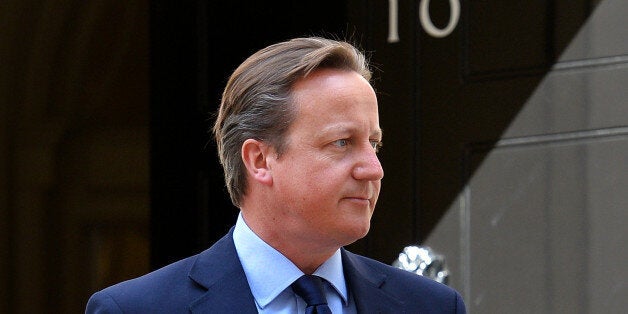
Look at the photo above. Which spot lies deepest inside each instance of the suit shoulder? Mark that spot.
(412, 287)
(152, 290)
(173, 288)
(400, 274)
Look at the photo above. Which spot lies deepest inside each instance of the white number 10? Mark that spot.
(424, 18)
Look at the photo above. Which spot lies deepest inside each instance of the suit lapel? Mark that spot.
(218, 270)
(366, 287)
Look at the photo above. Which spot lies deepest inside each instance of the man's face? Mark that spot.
(328, 179)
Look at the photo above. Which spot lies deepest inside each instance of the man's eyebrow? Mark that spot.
(343, 128)
(338, 128)
(379, 133)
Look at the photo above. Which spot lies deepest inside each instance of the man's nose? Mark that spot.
(368, 166)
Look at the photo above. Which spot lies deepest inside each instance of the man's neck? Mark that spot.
(306, 256)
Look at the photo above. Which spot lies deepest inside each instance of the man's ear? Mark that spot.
(255, 157)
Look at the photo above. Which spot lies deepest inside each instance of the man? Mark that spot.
(297, 132)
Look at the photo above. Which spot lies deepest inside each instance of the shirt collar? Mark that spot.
(278, 272)
(332, 271)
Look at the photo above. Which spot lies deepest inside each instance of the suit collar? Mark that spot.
(366, 287)
(218, 270)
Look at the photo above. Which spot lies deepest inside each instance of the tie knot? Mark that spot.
(310, 289)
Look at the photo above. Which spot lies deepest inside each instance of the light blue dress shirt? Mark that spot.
(270, 275)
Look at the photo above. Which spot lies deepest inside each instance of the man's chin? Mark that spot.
(356, 234)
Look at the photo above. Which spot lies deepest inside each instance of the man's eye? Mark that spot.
(341, 143)
(376, 145)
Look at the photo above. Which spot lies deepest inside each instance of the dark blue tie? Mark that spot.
(310, 288)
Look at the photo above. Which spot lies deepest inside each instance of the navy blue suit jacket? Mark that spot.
(214, 282)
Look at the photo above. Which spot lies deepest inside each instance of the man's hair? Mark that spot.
(256, 103)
